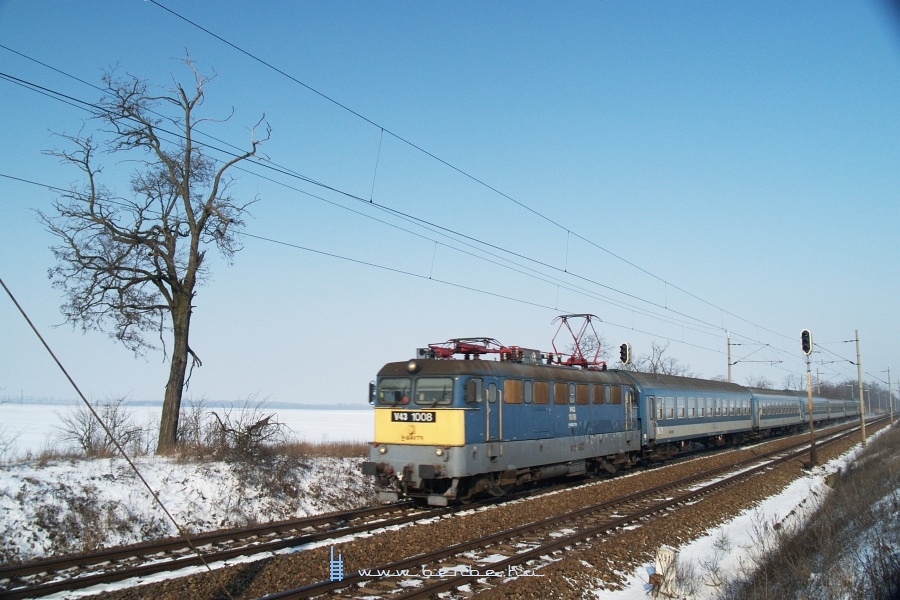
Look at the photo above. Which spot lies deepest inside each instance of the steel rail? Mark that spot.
(318, 588)
(137, 551)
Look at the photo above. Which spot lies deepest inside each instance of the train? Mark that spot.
(472, 417)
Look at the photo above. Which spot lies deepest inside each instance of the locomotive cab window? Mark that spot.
(432, 391)
(394, 390)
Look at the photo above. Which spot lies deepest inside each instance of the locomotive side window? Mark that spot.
(431, 391)
(394, 390)
(600, 394)
(560, 393)
(491, 393)
(542, 392)
(615, 394)
(582, 393)
(528, 392)
(473, 391)
(512, 391)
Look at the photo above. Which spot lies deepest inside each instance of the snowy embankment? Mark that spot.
(78, 505)
(717, 564)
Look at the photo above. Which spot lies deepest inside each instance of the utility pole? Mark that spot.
(729, 357)
(862, 404)
(813, 455)
(807, 346)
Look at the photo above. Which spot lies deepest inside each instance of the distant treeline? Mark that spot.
(233, 404)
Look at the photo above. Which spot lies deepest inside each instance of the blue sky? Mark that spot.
(679, 169)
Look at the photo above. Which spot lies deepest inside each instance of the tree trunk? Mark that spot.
(181, 322)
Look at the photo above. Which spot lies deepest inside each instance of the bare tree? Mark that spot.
(658, 362)
(591, 345)
(760, 381)
(131, 266)
(794, 382)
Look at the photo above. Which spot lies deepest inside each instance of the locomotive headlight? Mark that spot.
(439, 451)
(382, 449)
(412, 366)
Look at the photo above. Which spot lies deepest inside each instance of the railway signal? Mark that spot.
(806, 342)
(625, 353)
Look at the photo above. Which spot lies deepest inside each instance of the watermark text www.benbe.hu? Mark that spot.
(460, 571)
(336, 571)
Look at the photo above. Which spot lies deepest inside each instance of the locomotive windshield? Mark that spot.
(431, 391)
(394, 390)
(427, 391)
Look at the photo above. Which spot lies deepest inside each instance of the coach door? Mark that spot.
(630, 413)
(651, 416)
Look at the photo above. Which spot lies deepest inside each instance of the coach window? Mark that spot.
(560, 393)
(582, 393)
(660, 408)
(512, 391)
(692, 407)
(679, 405)
(670, 407)
(528, 392)
(542, 392)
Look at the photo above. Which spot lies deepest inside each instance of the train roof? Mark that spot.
(649, 381)
(487, 368)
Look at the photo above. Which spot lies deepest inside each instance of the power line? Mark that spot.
(469, 240)
(442, 161)
(435, 228)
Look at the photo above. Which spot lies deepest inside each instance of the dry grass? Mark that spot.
(850, 548)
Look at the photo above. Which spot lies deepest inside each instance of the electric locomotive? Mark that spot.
(448, 429)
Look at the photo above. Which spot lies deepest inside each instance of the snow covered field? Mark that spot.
(34, 427)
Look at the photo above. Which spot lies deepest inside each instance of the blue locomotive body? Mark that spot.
(446, 429)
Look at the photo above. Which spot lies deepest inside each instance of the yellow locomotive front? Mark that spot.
(420, 430)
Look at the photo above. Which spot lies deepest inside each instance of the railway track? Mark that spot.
(521, 551)
(72, 573)
(69, 573)
(115, 564)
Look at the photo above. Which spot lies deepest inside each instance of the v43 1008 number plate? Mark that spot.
(413, 416)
